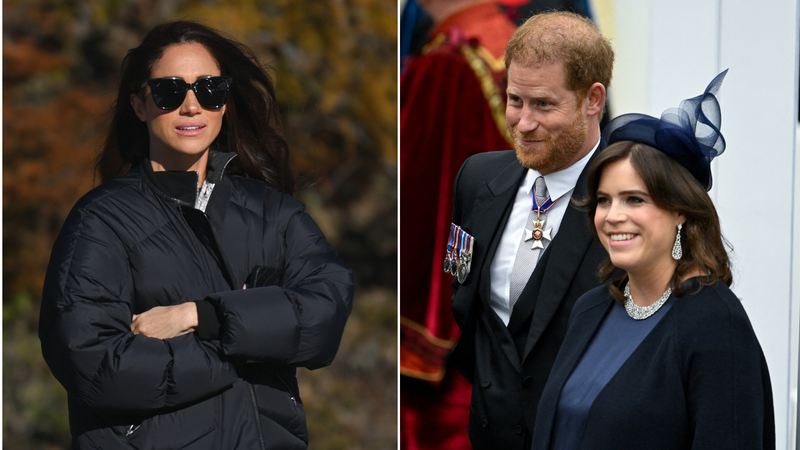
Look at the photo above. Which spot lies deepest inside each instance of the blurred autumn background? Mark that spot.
(334, 62)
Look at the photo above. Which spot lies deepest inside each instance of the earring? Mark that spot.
(677, 251)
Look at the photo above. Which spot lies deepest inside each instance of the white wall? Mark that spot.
(669, 51)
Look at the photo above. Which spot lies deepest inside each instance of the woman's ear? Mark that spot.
(139, 107)
(680, 219)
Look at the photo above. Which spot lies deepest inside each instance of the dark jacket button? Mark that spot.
(518, 429)
(486, 383)
(527, 382)
(485, 423)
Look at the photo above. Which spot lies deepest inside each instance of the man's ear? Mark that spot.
(595, 99)
(138, 107)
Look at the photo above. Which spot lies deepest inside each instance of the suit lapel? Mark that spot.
(489, 212)
(503, 190)
(566, 253)
(490, 215)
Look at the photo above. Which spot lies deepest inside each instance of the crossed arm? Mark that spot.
(104, 358)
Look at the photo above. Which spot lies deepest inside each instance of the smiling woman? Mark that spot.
(664, 341)
(637, 233)
(184, 291)
(638, 200)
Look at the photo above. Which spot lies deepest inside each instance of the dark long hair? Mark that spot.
(672, 188)
(251, 126)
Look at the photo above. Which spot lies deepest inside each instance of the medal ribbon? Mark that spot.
(545, 206)
(461, 243)
(471, 241)
(454, 255)
(452, 236)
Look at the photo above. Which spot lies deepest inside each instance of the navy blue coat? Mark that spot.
(699, 380)
(128, 246)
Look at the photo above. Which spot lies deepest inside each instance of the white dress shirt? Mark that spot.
(560, 186)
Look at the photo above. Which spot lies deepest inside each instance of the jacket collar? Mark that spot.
(181, 187)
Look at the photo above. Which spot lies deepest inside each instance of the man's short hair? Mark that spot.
(564, 36)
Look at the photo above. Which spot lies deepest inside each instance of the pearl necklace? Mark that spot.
(643, 312)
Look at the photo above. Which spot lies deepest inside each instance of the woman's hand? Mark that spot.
(164, 322)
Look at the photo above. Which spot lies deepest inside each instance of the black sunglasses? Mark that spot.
(169, 93)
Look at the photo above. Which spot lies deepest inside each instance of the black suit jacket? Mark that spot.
(699, 380)
(508, 366)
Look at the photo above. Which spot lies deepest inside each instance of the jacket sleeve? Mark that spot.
(86, 337)
(300, 322)
(728, 393)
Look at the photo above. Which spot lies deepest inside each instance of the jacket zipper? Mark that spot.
(132, 429)
(258, 419)
(291, 392)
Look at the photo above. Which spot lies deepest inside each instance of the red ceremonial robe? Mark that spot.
(452, 105)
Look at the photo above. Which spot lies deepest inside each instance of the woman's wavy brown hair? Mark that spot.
(672, 188)
(251, 125)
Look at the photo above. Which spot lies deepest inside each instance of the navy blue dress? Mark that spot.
(617, 338)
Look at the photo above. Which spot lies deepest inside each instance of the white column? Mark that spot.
(756, 180)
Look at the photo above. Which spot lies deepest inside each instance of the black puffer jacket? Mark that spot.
(128, 246)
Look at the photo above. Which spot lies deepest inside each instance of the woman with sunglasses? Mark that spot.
(183, 291)
(663, 356)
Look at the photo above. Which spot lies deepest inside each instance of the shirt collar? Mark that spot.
(561, 182)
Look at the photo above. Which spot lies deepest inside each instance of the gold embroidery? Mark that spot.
(496, 64)
(483, 63)
(489, 88)
(437, 41)
(422, 355)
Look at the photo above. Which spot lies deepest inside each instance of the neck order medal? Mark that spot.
(538, 234)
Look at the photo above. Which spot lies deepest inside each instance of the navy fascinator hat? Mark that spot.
(690, 133)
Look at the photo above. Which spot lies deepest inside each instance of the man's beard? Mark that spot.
(559, 149)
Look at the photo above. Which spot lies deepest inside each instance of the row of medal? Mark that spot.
(458, 258)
